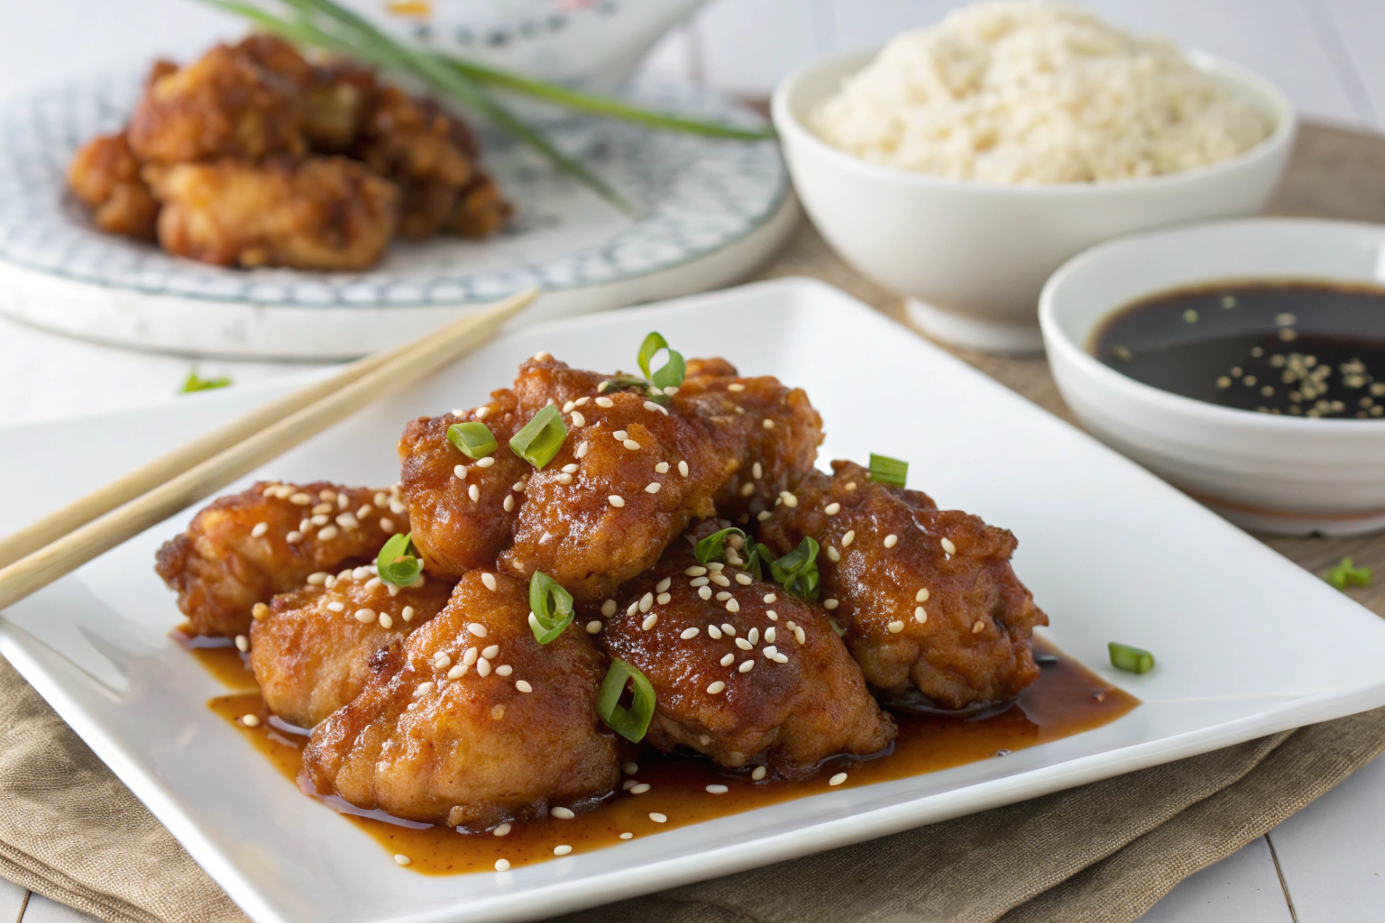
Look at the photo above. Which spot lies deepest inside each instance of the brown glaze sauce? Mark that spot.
(1066, 700)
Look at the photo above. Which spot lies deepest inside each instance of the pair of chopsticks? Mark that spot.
(59, 543)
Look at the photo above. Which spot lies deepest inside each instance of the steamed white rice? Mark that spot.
(1028, 92)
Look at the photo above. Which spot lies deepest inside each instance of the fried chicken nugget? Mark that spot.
(244, 548)
(928, 598)
(221, 105)
(333, 96)
(326, 213)
(743, 672)
(105, 174)
(471, 722)
(312, 653)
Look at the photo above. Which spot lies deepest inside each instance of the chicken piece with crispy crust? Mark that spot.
(244, 548)
(471, 722)
(106, 175)
(743, 672)
(334, 96)
(312, 652)
(480, 210)
(223, 104)
(326, 213)
(463, 511)
(929, 601)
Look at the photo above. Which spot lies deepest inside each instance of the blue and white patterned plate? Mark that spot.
(710, 211)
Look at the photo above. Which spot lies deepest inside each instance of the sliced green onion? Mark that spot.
(798, 570)
(550, 607)
(835, 627)
(888, 470)
(541, 437)
(398, 561)
(1130, 659)
(1346, 574)
(196, 382)
(632, 722)
(713, 548)
(670, 375)
(474, 440)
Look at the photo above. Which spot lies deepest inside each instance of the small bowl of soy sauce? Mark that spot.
(1243, 361)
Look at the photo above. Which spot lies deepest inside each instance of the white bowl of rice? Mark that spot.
(963, 164)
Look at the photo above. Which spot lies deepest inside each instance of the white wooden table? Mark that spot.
(1325, 864)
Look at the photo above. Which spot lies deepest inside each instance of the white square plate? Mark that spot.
(1248, 644)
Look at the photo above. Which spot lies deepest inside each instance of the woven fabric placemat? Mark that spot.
(1105, 852)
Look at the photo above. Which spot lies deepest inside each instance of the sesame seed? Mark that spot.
(242, 643)
(570, 468)
(704, 592)
(770, 597)
(789, 499)
(770, 650)
(386, 524)
(365, 616)
(581, 451)
(799, 636)
(657, 817)
(690, 633)
(744, 579)
(562, 850)
(719, 579)
(920, 615)
(616, 500)
(683, 468)
(714, 632)
(293, 538)
(832, 509)
(744, 645)
(477, 629)
(338, 606)
(639, 788)
(260, 529)
(491, 652)
(483, 668)
(505, 670)
(626, 836)
(758, 774)
(716, 688)
(646, 602)
(327, 533)
(650, 405)
(664, 599)
(895, 627)
(767, 423)
(485, 462)
(652, 487)
(699, 581)
(717, 789)
(474, 493)
(386, 621)
(746, 666)
(948, 546)
(562, 813)
(650, 621)
(728, 629)
(423, 689)
(401, 859)
(661, 468)
(891, 540)
(735, 386)
(634, 607)
(469, 656)
(458, 671)
(567, 408)
(632, 445)
(732, 606)
(978, 627)
(829, 604)
(501, 831)
(502, 865)
(780, 658)
(300, 499)
(630, 768)
(564, 478)
(747, 489)
(838, 779)
(848, 538)
(922, 595)
(771, 615)
(605, 402)
(728, 660)
(251, 721)
(517, 487)
(620, 435)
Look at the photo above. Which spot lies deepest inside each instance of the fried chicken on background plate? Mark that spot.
(245, 548)
(937, 611)
(106, 175)
(743, 672)
(471, 722)
(312, 652)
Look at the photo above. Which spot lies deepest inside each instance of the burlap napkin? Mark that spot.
(1106, 852)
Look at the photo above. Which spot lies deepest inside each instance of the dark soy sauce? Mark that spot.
(1298, 348)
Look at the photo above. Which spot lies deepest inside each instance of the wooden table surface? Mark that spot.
(1324, 865)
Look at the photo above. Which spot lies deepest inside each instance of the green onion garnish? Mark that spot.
(798, 570)
(835, 627)
(670, 375)
(541, 437)
(632, 722)
(474, 440)
(195, 382)
(1346, 574)
(1130, 659)
(550, 607)
(888, 470)
(713, 548)
(399, 562)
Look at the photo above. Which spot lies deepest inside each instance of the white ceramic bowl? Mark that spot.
(972, 256)
(1288, 475)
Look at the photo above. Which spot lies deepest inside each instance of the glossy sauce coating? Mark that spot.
(1067, 699)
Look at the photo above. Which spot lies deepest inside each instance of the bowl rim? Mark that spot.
(1102, 376)
(1247, 82)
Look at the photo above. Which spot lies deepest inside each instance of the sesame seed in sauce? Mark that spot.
(323, 508)
(594, 627)
(474, 493)
(562, 813)
(242, 643)
(744, 579)
(650, 621)
(728, 629)
(639, 788)
(386, 621)
(407, 614)
(626, 836)
(735, 386)
(293, 538)
(491, 652)
(365, 616)
(763, 515)
(979, 627)
(699, 581)
(318, 520)
(663, 599)
(423, 689)
(848, 538)
(646, 602)
(732, 606)
(605, 402)
(891, 540)
(632, 445)
(838, 779)
(608, 608)
(581, 451)
(716, 789)
(657, 817)
(948, 546)
(509, 503)
(895, 627)
(469, 656)
(720, 579)
(401, 859)
(723, 596)
(260, 529)
(650, 405)
(744, 645)
(578, 421)
(505, 670)
(661, 468)
(683, 468)
(564, 478)
(799, 636)
(728, 660)
(689, 633)
(829, 604)
(372, 584)
(386, 524)
(337, 606)
(634, 607)
(458, 671)
(767, 423)
(562, 850)
(517, 487)
(477, 629)
(616, 500)
(705, 592)
(502, 830)
(789, 499)
(714, 632)
(652, 487)
(758, 774)
(716, 688)
(300, 499)
(502, 865)
(483, 667)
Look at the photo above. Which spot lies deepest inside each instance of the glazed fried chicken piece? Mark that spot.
(244, 548)
(333, 96)
(327, 213)
(106, 175)
(938, 609)
(479, 210)
(471, 722)
(632, 474)
(222, 105)
(462, 522)
(312, 651)
(743, 672)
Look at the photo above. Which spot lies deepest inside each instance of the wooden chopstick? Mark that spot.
(193, 472)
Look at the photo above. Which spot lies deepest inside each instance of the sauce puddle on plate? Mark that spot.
(1067, 699)
(1295, 348)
